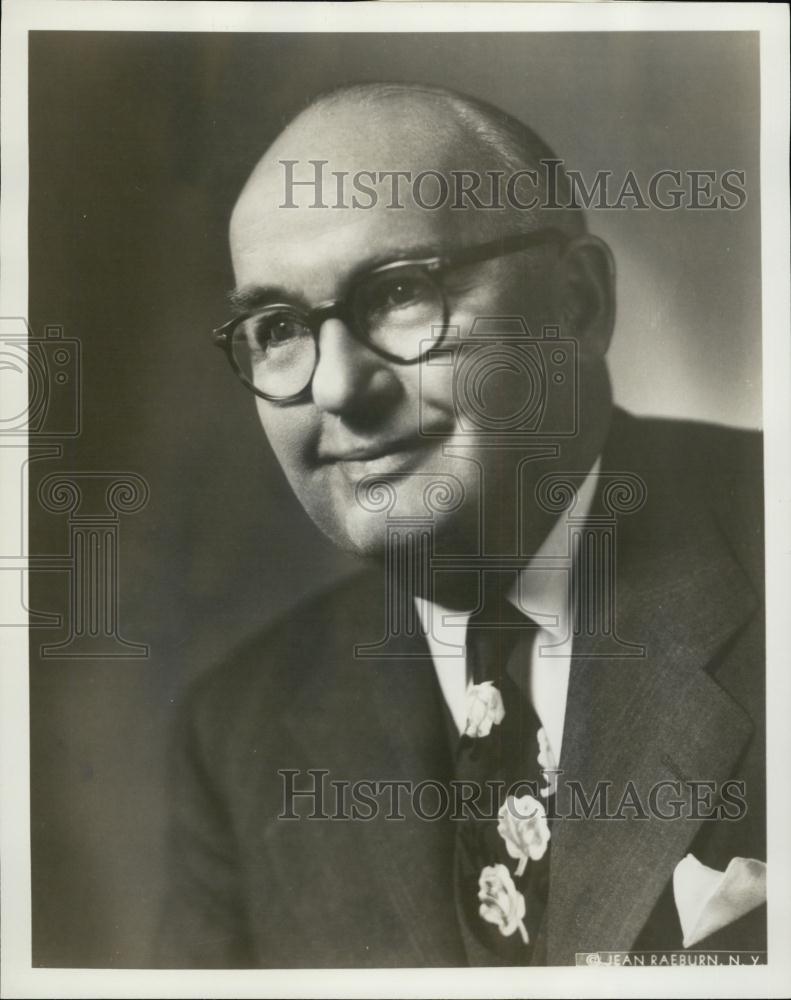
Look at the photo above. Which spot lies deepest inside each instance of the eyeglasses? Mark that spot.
(398, 310)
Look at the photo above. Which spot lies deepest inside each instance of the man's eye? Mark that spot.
(397, 293)
(273, 331)
(401, 292)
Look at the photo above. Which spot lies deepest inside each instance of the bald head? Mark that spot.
(344, 275)
(501, 140)
(449, 149)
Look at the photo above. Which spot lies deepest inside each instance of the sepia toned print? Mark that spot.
(392, 527)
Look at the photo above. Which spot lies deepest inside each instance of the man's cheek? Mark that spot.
(287, 434)
(431, 396)
(325, 501)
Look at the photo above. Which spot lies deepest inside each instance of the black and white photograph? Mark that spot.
(395, 444)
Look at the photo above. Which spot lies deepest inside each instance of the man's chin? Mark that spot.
(364, 534)
(370, 536)
(377, 512)
(370, 545)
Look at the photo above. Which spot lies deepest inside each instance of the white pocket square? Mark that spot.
(708, 900)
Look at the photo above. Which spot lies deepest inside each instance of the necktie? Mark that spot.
(501, 851)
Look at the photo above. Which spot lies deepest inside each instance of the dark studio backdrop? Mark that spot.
(139, 143)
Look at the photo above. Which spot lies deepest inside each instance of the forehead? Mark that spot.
(301, 249)
(278, 234)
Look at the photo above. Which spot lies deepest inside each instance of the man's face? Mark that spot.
(365, 415)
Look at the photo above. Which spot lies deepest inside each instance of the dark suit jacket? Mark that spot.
(249, 889)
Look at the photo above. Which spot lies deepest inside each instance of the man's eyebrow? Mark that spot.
(417, 251)
(251, 296)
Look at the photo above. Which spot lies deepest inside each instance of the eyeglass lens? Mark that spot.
(394, 310)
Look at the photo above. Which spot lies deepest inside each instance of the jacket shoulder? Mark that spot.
(726, 452)
(267, 673)
(697, 461)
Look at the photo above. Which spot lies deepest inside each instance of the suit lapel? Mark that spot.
(412, 859)
(663, 717)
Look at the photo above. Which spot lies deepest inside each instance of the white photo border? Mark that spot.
(19, 978)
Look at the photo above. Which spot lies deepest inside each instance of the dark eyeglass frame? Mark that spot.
(313, 318)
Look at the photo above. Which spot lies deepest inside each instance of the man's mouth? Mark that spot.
(380, 457)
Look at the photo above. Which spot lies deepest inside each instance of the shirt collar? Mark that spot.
(542, 589)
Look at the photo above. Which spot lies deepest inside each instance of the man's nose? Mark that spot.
(349, 376)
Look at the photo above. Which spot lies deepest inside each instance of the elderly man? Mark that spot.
(533, 726)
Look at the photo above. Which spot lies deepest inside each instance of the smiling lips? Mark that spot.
(391, 456)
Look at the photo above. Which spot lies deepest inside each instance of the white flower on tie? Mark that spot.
(501, 901)
(484, 709)
(548, 765)
(522, 823)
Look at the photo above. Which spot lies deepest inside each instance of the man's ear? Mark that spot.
(586, 293)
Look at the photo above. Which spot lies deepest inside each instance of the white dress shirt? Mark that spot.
(543, 592)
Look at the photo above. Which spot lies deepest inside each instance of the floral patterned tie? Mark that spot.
(501, 852)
